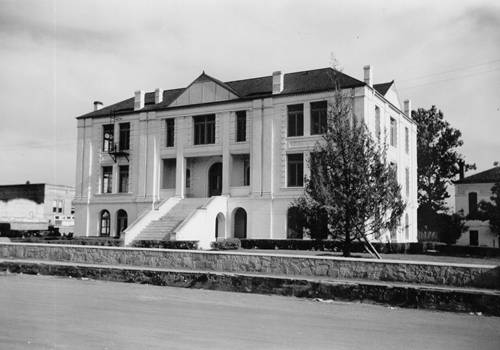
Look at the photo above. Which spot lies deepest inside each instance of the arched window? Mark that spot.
(472, 203)
(220, 222)
(295, 223)
(104, 223)
(240, 223)
(121, 222)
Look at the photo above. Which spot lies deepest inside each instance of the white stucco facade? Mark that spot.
(253, 172)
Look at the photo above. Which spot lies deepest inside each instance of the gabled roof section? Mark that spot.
(491, 175)
(382, 88)
(309, 81)
(205, 89)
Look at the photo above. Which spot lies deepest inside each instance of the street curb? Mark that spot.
(407, 296)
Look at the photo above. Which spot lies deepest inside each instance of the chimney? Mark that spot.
(97, 105)
(461, 167)
(138, 100)
(407, 107)
(158, 96)
(277, 82)
(368, 75)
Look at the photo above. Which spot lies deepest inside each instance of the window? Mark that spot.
(107, 179)
(124, 136)
(246, 169)
(72, 211)
(377, 122)
(57, 206)
(123, 183)
(407, 140)
(318, 117)
(241, 126)
(170, 127)
(204, 129)
(188, 178)
(394, 133)
(473, 237)
(472, 203)
(105, 223)
(407, 228)
(407, 181)
(296, 120)
(107, 137)
(295, 170)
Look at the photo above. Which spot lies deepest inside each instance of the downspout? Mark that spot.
(89, 190)
(261, 147)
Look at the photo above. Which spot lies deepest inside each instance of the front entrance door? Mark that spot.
(215, 180)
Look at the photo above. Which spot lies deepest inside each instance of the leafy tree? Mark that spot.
(491, 210)
(438, 160)
(350, 180)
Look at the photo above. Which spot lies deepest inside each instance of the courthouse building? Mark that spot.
(225, 159)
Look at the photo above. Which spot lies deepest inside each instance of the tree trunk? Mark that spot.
(347, 244)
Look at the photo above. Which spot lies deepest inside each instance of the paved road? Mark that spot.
(40, 312)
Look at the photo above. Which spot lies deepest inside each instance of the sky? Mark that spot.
(57, 57)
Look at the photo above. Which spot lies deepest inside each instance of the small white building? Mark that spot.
(35, 207)
(469, 192)
(224, 159)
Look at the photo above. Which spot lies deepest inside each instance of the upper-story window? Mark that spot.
(107, 179)
(124, 136)
(123, 181)
(407, 140)
(170, 132)
(377, 122)
(407, 182)
(394, 133)
(472, 203)
(108, 131)
(57, 206)
(318, 117)
(295, 170)
(241, 126)
(296, 120)
(204, 129)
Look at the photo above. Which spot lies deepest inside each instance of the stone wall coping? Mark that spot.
(331, 258)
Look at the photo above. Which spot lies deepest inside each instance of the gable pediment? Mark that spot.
(205, 89)
(392, 96)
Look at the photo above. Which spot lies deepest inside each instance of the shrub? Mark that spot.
(187, 245)
(226, 244)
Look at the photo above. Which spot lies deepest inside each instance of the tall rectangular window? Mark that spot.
(407, 181)
(296, 120)
(124, 136)
(241, 126)
(377, 122)
(60, 206)
(123, 181)
(394, 133)
(318, 117)
(407, 140)
(107, 137)
(204, 129)
(107, 179)
(472, 203)
(170, 128)
(295, 170)
(54, 206)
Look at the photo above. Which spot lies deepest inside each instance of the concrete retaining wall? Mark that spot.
(339, 268)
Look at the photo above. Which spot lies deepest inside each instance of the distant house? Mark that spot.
(220, 159)
(469, 192)
(35, 207)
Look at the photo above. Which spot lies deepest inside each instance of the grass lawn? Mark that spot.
(411, 257)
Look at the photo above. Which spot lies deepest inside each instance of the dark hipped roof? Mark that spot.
(490, 175)
(294, 83)
(383, 87)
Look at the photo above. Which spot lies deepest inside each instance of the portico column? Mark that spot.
(226, 155)
(180, 170)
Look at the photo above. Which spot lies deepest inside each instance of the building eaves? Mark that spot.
(488, 176)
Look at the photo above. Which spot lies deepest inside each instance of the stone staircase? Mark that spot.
(160, 230)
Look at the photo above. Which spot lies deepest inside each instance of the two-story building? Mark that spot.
(469, 192)
(224, 159)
